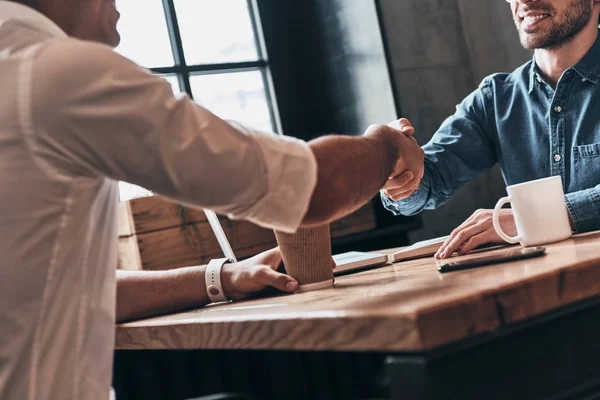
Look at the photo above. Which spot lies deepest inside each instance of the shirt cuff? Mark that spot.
(584, 207)
(410, 206)
(291, 169)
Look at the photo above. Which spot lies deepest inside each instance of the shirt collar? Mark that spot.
(588, 67)
(36, 20)
(532, 75)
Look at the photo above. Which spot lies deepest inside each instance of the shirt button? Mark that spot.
(557, 157)
(558, 109)
(584, 80)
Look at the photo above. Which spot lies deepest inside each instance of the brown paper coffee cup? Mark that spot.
(307, 257)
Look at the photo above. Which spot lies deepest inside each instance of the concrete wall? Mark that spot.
(328, 65)
(439, 51)
(330, 75)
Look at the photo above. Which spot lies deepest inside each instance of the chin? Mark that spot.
(112, 39)
(528, 42)
(532, 41)
(116, 40)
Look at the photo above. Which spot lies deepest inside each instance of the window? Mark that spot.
(209, 49)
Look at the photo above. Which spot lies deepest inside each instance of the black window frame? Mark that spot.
(182, 70)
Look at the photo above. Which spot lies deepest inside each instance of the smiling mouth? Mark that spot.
(534, 18)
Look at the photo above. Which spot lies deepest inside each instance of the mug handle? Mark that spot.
(496, 220)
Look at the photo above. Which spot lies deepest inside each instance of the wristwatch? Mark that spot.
(212, 277)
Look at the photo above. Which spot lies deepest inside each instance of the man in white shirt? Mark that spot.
(76, 118)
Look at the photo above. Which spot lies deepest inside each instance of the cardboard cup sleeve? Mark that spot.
(307, 257)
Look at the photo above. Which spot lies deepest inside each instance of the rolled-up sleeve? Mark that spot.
(457, 153)
(291, 170)
(102, 115)
(584, 207)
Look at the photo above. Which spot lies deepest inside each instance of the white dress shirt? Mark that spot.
(75, 118)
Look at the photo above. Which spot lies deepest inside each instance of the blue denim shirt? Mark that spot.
(530, 129)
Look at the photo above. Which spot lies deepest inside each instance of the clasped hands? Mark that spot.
(409, 168)
(475, 231)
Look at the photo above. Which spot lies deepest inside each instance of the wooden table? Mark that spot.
(432, 325)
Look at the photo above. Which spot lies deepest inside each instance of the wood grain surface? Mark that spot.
(406, 306)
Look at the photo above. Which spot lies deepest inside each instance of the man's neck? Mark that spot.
(552, 63)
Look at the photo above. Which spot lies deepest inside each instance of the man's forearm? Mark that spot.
(351, 170)
(144, 293)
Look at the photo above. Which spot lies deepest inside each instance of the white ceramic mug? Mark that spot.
(540, 212)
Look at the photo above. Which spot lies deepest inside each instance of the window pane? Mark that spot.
(239, 96)
(216, 31)
(144, 34)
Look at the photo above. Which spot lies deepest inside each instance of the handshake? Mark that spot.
(409, 168)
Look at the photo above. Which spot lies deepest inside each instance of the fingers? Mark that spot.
(476, 241)
(401, 186)
(403, 125)
(274, 258)
(268, 277)
(468, 222)
(459, 239)
(399, 194)
(398, 181)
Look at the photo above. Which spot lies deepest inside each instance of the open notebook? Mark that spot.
(428, 248)
(425, 248)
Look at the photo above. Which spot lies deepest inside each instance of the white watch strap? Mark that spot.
(212, 277)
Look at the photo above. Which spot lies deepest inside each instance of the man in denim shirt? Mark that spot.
(541, 120)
